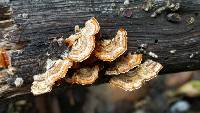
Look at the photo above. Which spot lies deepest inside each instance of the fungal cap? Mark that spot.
(85, 76)
(43, 83)
(110, 50)
(149, 69)
(91, 27)
(83, 43)
(134, 79)
(82, 49)
(125, 64)
(4, 58)
(127, 81)
(72, 38)
(58, 70)
(40, 87)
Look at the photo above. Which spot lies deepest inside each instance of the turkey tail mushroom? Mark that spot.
(149, 69)
(124, 64)
(82, 49)
(43, 83)
(84, 76)
(109, 50)
(134, 79)
(128, 81)
(91, 28)
(83, 43)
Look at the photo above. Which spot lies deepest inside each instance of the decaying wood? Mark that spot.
(30, 30)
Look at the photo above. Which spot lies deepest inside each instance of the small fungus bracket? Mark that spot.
(134, 79)
(124, 64)
(5, 61)
(5, 64)
(43, 83)
(84, 76)
(109, 50)
(83, 43)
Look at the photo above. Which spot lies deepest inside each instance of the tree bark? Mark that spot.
(29, 28)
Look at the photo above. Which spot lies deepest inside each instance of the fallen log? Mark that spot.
(29, 31)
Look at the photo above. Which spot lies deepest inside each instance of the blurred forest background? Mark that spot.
(171, 93)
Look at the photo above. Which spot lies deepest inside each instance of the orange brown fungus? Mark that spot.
(72, 38)
(109, 50)
(83, 43)
(91, 27)
(43, 83)
(125, 64)
(82, 49)
(85, 76)
(4, 59)
(134, 79)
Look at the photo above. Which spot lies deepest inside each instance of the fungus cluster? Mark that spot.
(85, 49)
(109, 50)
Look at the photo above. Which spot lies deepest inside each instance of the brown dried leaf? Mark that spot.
(125, 64)
(109, 50)
(43, 83)
(134, 79)
(85, 75)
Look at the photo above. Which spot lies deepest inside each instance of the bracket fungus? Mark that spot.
(124, 64)
(4, 58)
(83, 43)
(82, 49)
(109, 50)
(149, 69)
(84, 76)
(43, 83)
(134, 79)
(5, 64)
